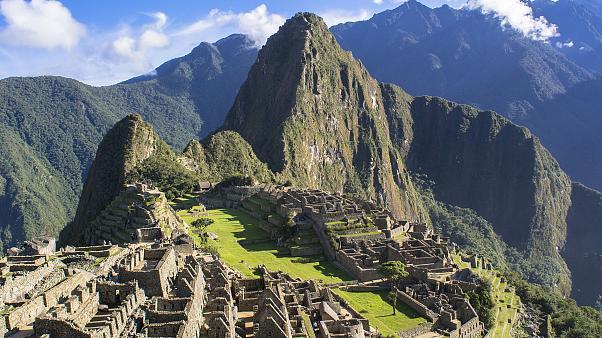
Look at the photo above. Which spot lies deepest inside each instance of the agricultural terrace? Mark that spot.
(507, 303)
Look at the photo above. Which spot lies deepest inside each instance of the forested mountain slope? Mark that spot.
(468, 57)
(332, 126)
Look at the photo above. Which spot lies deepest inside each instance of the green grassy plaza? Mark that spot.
(377, 309)
(232, 226)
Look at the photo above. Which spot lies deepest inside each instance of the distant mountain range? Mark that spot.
(467, 57)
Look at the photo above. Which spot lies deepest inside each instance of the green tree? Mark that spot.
(482, 301)
(393, 271)
(393, 300)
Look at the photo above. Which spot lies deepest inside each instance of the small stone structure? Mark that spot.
(43, 245)
(138, 214)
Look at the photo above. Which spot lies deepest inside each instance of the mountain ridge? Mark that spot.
(299, 92)
(447, 52)
(61, 121)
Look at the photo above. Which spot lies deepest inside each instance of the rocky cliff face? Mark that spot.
(482, 161)
(317, 118)
(125, 146)
(583, 250)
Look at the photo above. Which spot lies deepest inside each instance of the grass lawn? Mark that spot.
(375, 307)
(232, 225)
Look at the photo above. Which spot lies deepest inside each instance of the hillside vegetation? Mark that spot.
(448, 52)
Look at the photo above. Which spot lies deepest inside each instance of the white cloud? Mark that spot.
(568, 44)
(377, 2)
(152, 37)
(258, 24)
(518, 15)
(39, 23)
(335, 17)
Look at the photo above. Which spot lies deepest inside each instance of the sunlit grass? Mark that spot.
(375, 307)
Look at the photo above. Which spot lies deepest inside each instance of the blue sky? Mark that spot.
(102, 42)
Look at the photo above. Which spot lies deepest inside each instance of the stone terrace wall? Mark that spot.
(14, 288)
(416, 306)
(358, 272)
(65, 329)
(416, 331)
(154, 281)
(26, 314)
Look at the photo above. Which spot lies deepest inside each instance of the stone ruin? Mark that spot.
(142, 290)
(43, 245)
(279, 306)
(154, 286)
(139, 213)
(155, 290)
(358, 236)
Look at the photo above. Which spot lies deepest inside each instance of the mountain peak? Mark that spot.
(127, 144)
(314, 115)
(308, 18)
(300, 25)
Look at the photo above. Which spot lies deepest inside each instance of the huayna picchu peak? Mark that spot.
(326, 119)
(286, 191)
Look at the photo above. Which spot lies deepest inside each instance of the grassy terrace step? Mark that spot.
(502, 298)
(360, 234)
(262, 202)
(306, 250)
(304, 240)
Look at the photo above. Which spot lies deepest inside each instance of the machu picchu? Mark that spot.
(322, 204)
